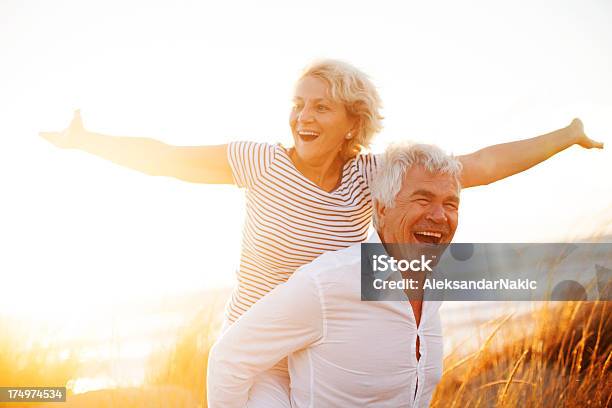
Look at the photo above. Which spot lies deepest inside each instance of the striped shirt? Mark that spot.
(290, 220)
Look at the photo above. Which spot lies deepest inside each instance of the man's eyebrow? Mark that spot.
(429, 194)
(422, 192)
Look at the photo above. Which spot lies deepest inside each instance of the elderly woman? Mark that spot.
(312, 197)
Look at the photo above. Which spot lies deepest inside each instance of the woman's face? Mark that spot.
(319, 125)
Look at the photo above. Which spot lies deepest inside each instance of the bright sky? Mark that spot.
(80, 231)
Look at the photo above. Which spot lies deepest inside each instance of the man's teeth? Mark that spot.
(430, 234)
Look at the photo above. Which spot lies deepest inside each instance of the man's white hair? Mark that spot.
(401, 157)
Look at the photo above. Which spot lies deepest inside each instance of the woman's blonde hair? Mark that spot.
(354, 89)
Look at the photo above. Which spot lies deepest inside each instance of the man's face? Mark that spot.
(426, 210)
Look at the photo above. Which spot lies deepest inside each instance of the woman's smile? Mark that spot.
(308, 135)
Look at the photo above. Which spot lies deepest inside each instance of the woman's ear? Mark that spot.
(356, 126)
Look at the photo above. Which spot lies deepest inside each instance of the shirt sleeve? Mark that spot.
(249, 162)
(287, 319)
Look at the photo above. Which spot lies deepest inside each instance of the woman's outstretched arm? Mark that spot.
(496, 162)
(197, 164)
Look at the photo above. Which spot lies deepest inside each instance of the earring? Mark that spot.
(349, 135)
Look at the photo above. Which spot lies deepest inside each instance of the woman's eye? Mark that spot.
(422, 201)
(451, 206)
(322, 108)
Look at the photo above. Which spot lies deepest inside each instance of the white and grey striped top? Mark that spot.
(290, 221)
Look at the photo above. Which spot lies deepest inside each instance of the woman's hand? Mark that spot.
(576, 129)
(69, 138)
(500, 161)
(197, 164)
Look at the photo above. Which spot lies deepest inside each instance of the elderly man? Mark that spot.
(345, 352)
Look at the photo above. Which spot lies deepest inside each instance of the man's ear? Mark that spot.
(380, 211)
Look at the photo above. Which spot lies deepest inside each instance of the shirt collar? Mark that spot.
(373, 237)
(374, 240)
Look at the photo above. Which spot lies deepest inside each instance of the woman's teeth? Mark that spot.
(308, 135)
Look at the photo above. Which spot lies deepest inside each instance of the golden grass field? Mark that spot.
(556, 356)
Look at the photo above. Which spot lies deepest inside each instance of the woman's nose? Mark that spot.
(305, 115)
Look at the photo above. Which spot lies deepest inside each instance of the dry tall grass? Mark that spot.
(559, 356)
(183, 366)
(27, 363)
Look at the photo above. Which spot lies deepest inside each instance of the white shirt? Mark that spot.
(343, 352)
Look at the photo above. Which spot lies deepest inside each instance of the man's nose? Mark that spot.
(436, 214)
